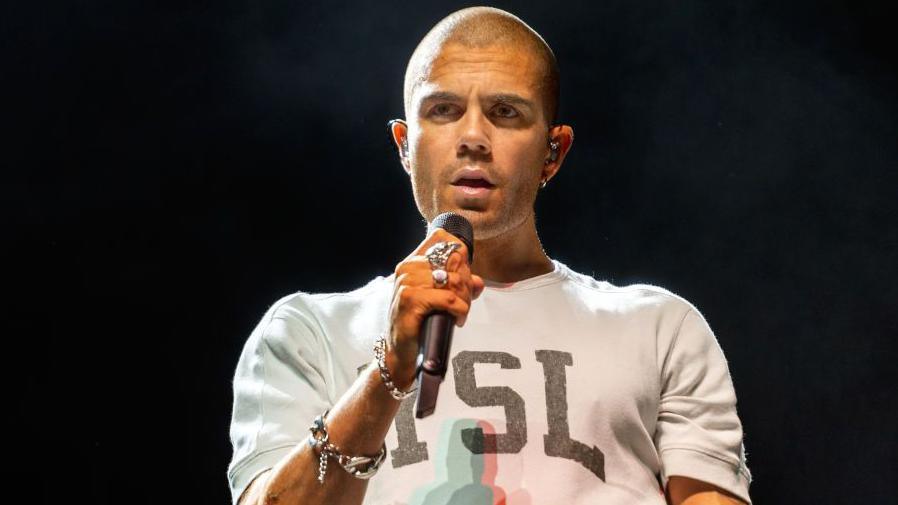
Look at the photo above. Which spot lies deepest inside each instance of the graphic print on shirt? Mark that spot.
(463, 477)
(558, 441)
(513, 440)
(473, 438)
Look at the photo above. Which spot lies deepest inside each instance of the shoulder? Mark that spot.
(311, 311)
(630, 296)
(305, 305)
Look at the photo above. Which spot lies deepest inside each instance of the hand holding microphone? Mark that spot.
(427, 304)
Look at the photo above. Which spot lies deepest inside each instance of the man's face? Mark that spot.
(478, 136)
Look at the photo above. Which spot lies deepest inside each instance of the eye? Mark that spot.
(442, 109)
(505, 111)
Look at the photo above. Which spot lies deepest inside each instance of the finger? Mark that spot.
(421, 302)
(433, 236)
(448, 301)
(458, 258)
(455, 282)
(478, 285)
(413, 264)
(421, 272)
(444, 236)
(463, 289)
(440, 235)
(465, 277)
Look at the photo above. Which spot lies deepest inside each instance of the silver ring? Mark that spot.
(440, 277)
(438, 254)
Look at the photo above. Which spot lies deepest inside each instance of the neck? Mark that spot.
(512, 256)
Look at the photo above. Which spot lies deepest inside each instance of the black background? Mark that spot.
(171, 169)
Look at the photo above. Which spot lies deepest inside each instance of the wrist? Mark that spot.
(381, 355)
(403, 376)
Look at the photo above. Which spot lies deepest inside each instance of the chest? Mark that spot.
(522, 380)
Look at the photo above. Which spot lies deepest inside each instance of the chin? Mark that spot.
(486, 225)
(479, 221)
(477, 217)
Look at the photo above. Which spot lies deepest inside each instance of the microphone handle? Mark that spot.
(433, 360)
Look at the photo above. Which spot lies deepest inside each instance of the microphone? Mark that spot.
(437, 327)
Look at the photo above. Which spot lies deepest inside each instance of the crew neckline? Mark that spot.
(532, 282)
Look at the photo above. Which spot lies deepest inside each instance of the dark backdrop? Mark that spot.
(173, 168)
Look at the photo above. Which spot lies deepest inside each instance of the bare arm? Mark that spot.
(358, 424)
(686, 491)
(359, 421)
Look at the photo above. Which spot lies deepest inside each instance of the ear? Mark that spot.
(399, 132)
(564, 136)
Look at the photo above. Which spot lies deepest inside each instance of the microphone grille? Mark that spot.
(458, 226)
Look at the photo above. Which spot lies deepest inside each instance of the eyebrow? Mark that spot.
(506, 98)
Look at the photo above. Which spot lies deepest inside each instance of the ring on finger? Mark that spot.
(438, 254)
(440, 277)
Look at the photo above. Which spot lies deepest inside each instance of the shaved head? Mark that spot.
(479, 27)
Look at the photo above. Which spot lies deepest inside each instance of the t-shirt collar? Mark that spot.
(532, 282)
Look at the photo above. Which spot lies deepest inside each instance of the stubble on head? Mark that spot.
(478, 27)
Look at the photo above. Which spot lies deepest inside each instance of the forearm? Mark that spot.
(687, 491)
(359, 421)
(711, 498)
(357, 424)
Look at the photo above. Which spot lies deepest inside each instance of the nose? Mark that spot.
(474, 137)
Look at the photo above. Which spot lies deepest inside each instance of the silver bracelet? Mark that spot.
(380, 345)
(360, 467)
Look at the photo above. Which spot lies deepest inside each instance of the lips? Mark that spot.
(472, 188)
(473, 183)
(473, 178)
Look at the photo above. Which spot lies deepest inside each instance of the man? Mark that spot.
(562, 389)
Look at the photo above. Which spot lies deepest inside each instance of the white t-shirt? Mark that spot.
(561, 389)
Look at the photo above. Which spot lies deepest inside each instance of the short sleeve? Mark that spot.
(279, 387)
(699, 434)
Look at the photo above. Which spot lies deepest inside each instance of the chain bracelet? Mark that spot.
(380, 352)
(360, 467)
(322, 465)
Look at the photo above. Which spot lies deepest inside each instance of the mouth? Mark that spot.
(472, 189)
(472, 178)
(467, 182)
